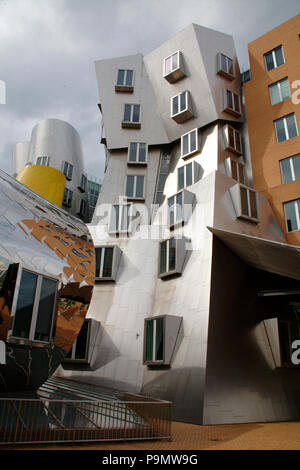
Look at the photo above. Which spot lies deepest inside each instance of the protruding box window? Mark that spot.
(160, 336)
(236, 170)
(172, 254)
(181, 107)
(245, 202)
(68, 170)
(274, 58)
(173, 67)
(180, 207)
(232, 103)
(107, 262)
(124, 81)
(135, 187)
(225, 66)
(137, 153)
(82, 349)
(233, 140)
(189, 143)
(132, 116)
(188, 175)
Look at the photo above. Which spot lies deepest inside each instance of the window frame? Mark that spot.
(284, 119)
(83, 207)
(137, 162)
(297, 214)
(68, 201)
(185, 113)
(274, 58)
(123, 87)
(131, 123)
(42, 159)
(83, 182)
(101, 266)
(134, 196)
(119, 229)
(154, 339)
(34, 317)
(235, 133)
(226, 72)
(84, 360)
(66, 173)
(190, 152)
(292, 169)
(249, 211)
(239, 166)
(175, 73)
(280, 90)
(227, 107)
(195, 176)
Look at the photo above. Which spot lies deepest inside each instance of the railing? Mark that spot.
(25, 421)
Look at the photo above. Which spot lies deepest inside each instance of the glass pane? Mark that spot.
(65, 170)
(107, 263)
(70, 172)
(286, 171)
(139, 191)
(238, 145)
(129, 77)
(175, 109)
(241, 174)
(149, 340)
(161, 182)
(244, 202)
(284, 342)
(274, 93)
(279, 56)
(81, 342)
(230, 137)
(236, 103)
(229, 99)
(98, 252)
(163, 257)
(159, 337)
(129, 185)
(127, 112)
(290, 216)
(179, 208)
(285, 89)
(280, 130)
(183, 103)
(45, 310)
(269, 61)
(125, 217)
(193, 141)
(181, 178)
(189, 174)
(230, 66)
(175, 63)
(296, 164)
(234, 169)
(25, 304)
(223, 63)
(121, 77)
(136, 113)
(133, 151)
(114, 218)
(142, 153)
(171, 210)
(172, 254)
(253, 206)
(291, 125)
(185, 144)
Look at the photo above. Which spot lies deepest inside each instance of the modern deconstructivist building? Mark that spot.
(51, 164)
(47, 270)
(197, 294)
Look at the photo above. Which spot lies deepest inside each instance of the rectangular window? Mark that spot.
(135, 186)
(125, 78)
(290, 168)
(35, 307)
(68, 170)
(185, 176)
(119, 218)
(234, 141)
(175, 209)
(137, 153)
(104, 262)
(274, 58)
(248, 202)
(292, 215)
(80, 348)
(189, 143)
(168, 256)
(42, 161)
(225, 66)
(173, 67)
(162, 176)
(82, 184)
(232, 103)
(181, 108)
(131, 115)
(237, 171)
(154, 344)
(67, 199)
(286, 128)
(279, 91)
(83, 208)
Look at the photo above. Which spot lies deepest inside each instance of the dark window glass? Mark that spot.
(296, 165)
(81, 342)
(253, 207)
(139, 192)
(279, 56)
(107, 263)
(175, 105)
(290, 216)
(223, 62)
(291, 125)
(142, 153)
(163, 257)
(286, 171)
(129, 185)
(183, 103)
(45, 310)
(171, 204)
(121, 77)
(234, 169)
(136, 113)
(129, 78)
(185, 144)
(159, 346)
(179, 208)
(149, 340)
(181, 178)
(236, 103)
(269, 61)
(238, 145)
(230, 137)
(244, 202)
(127, 112)
(280, 130)
(172, 254)
(189, 174)
(193, 144)
(229, 100)
(133, 152)
(25, 303)
(98, 252)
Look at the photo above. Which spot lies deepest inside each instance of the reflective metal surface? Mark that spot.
(54, 250)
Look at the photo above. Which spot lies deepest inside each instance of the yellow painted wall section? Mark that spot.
(46, 181)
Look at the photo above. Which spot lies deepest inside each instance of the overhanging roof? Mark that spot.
(271, 256)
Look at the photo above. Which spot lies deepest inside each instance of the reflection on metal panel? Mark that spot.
(56, 248)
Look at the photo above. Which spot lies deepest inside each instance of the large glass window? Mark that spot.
(137, 153)
(274, 58)
(286, 128)
(290, 168)
(35, 307)
(135, 186)
(279, 91)
(292, 215)
(189, 143)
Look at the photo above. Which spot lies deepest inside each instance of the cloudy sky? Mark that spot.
(48, 49)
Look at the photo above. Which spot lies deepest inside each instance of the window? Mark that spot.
(292, 215)
(80, 348)
(173, 67)
(34, 309)
(289, 331)
(225, 66)
(83, 181)
(279, 91)
(131, 116)
(67, 199)
(286, 128)
(181, 108)
(237, 171)
(83, 208)
(188, 175)
(234, 141)
(232, 103)
(119, 218)
(107, 262)
(124, 80)
(42, 161)
(180, 207)
(162, 176)
(160, 336)
(274, 58)
(172, 255)
(248, 202)
(68, 170)
(189, 143)
(135, 186)
(290, 168)
(137, 153)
